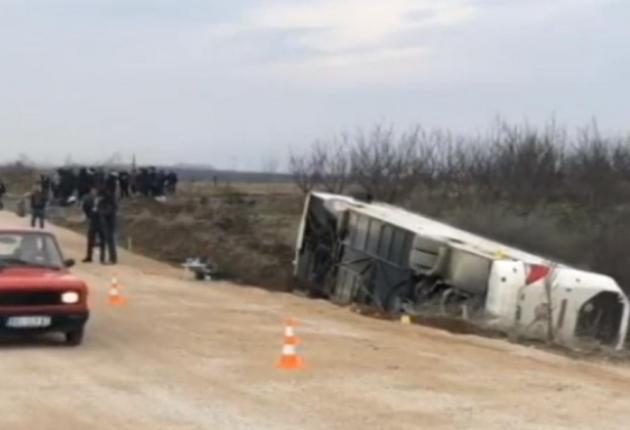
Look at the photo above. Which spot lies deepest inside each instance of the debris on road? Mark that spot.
(202, 269)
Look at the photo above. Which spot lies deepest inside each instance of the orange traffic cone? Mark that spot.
(290, 360)
(115, 297)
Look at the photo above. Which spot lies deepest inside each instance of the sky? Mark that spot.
(241, 83)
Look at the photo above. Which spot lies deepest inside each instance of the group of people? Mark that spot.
(100, 207)
(66, 183)
(98, 192)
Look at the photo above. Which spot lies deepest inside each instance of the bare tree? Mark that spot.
(514, 170)
(333, 160)
(525, 163)
(326, 165)
(303, 171)
(383, 167)
(591, 177)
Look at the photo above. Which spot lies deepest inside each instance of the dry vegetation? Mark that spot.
(248, 235)
(19, 177)
(560, 194)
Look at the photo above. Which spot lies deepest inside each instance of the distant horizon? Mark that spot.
(281, 166)
(192, 168)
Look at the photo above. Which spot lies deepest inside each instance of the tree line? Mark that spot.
(517, 163)
(560, 193)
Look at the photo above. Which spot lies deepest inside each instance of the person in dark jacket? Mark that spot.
(172, 180)
(123, 184)
(38, 207)
(107, 211)
(3, 191)
(160, 184)
(67, 185)
(83, 184)
(111, 183)
(46, 185)
(134, 182)
(95, 229)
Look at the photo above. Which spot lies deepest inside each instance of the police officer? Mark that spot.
(3, 191)
(123, 184)
(111, 182)
(107, 211)
(95, 229)
(83, 183)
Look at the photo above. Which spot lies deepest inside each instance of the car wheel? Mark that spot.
(74, 338)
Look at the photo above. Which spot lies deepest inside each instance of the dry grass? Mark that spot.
(197, 189)
(18, 178)
(248, 235)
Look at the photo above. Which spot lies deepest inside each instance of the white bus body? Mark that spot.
(384, 256)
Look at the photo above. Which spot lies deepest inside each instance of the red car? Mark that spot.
(38, 294)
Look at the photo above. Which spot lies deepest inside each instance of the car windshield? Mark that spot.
(29, 249)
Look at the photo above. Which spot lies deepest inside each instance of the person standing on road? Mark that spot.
(38, 207)
(107, 210)
(95, 229)
(3, 191)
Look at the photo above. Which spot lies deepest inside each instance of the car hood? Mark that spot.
(27, 277)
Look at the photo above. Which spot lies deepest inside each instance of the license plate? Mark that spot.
(28, 322)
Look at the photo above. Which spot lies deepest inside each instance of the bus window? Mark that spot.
(352, 228)
(361, 233)
(374, 235)
(386, 241)
(401, 245)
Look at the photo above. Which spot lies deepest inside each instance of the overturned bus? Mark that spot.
(400, 262)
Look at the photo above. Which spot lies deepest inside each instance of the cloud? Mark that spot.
(348, 24)
(216, 79)
(339, 39)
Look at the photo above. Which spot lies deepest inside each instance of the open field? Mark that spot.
(187, 355)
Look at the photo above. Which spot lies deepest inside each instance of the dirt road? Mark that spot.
(188, 355)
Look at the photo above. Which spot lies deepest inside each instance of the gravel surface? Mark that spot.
(190, 355)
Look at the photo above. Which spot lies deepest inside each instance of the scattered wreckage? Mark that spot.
(383, 256)
(202, 269)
